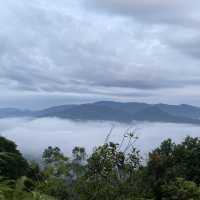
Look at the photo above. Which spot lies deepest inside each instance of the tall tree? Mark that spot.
(12, 163)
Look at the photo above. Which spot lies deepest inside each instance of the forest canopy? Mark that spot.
(112, 172)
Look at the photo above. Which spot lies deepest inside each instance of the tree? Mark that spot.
(79, 154)
(19, 190)
(57, 174)
(187, 159)
(160, 167)
(180, 189)
(34, 172)
(170, 161)
(55, 162)
(109, 169)
(55, 187)
(78, 162)
(12, 163)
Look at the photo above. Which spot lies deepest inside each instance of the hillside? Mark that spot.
(115, 111)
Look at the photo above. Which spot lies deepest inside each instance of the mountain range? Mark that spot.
(114, 111)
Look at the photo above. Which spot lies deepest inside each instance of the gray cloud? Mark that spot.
(190, 46)
(175, 16)
(65, 49)
(152, 11)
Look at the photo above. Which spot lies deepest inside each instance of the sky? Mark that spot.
(62, 52)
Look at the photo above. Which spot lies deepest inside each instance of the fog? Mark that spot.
(34, 135)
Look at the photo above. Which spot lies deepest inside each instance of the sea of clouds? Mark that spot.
(34, 135)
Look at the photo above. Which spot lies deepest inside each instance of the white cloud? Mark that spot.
(34, 135)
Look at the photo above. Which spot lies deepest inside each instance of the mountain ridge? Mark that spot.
(114, 111)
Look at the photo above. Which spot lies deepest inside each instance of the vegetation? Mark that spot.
(111, 172)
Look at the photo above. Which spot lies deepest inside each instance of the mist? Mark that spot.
(34, 135)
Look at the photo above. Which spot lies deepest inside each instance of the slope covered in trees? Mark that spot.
(111, 172)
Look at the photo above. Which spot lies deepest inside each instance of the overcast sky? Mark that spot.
(60, 52)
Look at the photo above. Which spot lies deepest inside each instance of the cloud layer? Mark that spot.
(153, 11)
(33, 136)
(91, 50)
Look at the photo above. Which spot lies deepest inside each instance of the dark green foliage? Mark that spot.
(112, 172)
(79, 154)
(19, 190)
(180, 189)
(34, 172)
(170, 161)
(57, 176)
(52, 155)
(12, 163)
(187, 159)
(55, 187)
(56, 164)
(108, 171)
(8, 146)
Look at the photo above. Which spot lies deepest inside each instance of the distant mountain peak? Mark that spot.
(115, 111)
